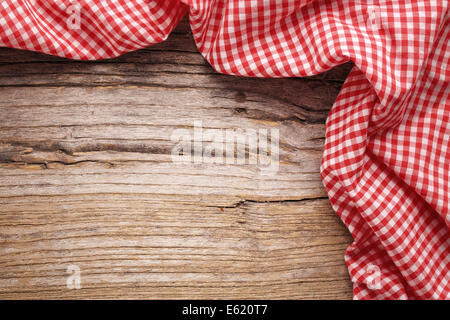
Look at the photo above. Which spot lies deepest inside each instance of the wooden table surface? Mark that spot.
(87, 181)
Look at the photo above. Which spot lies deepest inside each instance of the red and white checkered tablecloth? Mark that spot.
(386, 158)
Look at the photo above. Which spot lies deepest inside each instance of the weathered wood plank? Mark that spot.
(87, 179)
(157, 246)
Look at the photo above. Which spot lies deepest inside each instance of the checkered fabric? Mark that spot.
(386, 157)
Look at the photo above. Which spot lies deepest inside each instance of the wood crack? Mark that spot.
(243, 202)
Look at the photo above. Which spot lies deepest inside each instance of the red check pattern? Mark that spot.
(386, 158)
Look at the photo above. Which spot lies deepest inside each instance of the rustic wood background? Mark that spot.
(86, 179)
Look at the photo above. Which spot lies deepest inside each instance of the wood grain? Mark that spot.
(87, 179)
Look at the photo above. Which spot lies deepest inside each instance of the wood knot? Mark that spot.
(240, 97)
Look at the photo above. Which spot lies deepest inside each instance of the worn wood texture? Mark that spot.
(86, 179)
